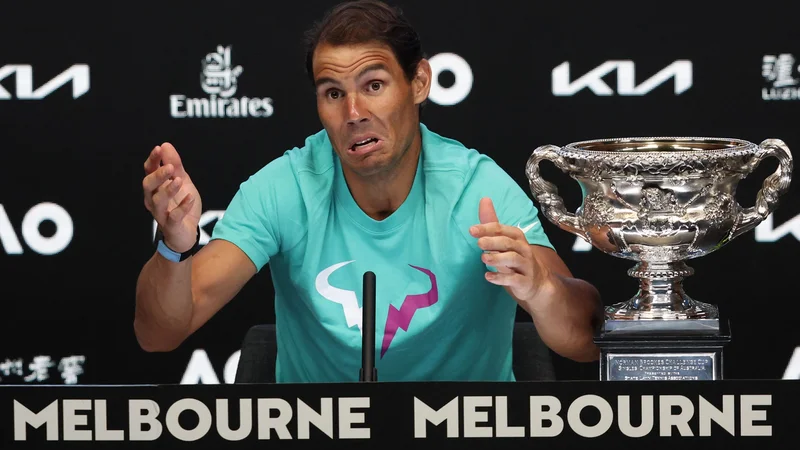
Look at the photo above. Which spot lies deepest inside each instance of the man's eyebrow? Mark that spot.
(320, 81)
(371, 67)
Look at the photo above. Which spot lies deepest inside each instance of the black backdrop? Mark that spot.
(72, 154)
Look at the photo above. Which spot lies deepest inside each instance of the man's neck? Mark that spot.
(379, 196)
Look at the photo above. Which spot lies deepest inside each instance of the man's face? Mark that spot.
(366, 104)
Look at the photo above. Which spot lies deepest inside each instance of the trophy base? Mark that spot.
(661, 296)
(685, 309)
(662, 349)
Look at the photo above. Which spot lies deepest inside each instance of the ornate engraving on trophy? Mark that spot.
(597, 211)
(632, 367)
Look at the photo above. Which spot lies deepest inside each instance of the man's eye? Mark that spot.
(375, 85)
(333, 94)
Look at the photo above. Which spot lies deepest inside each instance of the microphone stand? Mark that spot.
(368, 370)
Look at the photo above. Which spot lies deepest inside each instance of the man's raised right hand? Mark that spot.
(171, 197)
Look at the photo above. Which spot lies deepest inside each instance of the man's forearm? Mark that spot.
(566, 311)
(163, 304)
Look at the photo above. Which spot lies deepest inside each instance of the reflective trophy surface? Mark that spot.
(659, 201)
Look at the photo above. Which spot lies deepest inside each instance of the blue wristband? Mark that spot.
(167, 252)
(170, 254)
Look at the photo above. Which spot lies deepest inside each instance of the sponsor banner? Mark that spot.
(504, 415)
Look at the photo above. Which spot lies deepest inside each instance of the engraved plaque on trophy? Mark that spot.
(660, 201)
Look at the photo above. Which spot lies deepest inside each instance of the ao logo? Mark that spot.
(30, 230)
(450, 62)
(201, 371)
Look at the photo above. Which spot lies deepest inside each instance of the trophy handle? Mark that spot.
(546, 193)
(773, 187)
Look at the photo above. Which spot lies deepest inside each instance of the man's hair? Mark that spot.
(362, 21)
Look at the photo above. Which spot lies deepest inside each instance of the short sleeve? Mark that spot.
(251, 219)
(511, 203)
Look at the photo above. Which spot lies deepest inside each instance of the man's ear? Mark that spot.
(421, 84)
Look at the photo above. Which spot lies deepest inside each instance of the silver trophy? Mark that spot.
(660, 201)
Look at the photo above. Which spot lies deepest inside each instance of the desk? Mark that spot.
(761, 414)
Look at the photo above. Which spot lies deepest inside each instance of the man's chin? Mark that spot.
(371, 170)
(369, 166)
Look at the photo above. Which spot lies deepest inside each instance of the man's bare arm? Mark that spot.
(566, 310)
(173, 299)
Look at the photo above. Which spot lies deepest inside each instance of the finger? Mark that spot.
(177, 214)
(168, 190)
(512, 280)
(157, 178)
(151, 199)
(173, 186)
(170, 156)
(166, 196)
(495, 229)
(502, 244)
(153, 161)
(486, 229)
(503, 269)
(509, 260)
(486, 212)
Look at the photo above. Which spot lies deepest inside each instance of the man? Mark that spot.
(454, 242)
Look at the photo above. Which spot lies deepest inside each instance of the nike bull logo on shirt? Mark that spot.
(437, 318)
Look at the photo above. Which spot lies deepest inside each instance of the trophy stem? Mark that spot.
(661, 295)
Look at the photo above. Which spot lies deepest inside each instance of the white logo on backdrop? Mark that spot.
(40, 368)
(30, 230)
(450, 62)
(792, 371)
(680, 71)
(219, 78)
(779, 76)
(77, 74)
(201, 371)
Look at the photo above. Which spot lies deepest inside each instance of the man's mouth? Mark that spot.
(363, 143)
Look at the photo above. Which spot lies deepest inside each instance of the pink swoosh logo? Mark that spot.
(401, 318)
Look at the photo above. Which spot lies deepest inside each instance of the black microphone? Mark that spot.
(368, 370)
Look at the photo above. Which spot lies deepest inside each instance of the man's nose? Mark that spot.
(356, 111)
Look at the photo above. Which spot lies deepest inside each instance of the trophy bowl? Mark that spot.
(660, 201)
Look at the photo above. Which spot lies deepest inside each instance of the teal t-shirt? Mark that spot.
(436, 316)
